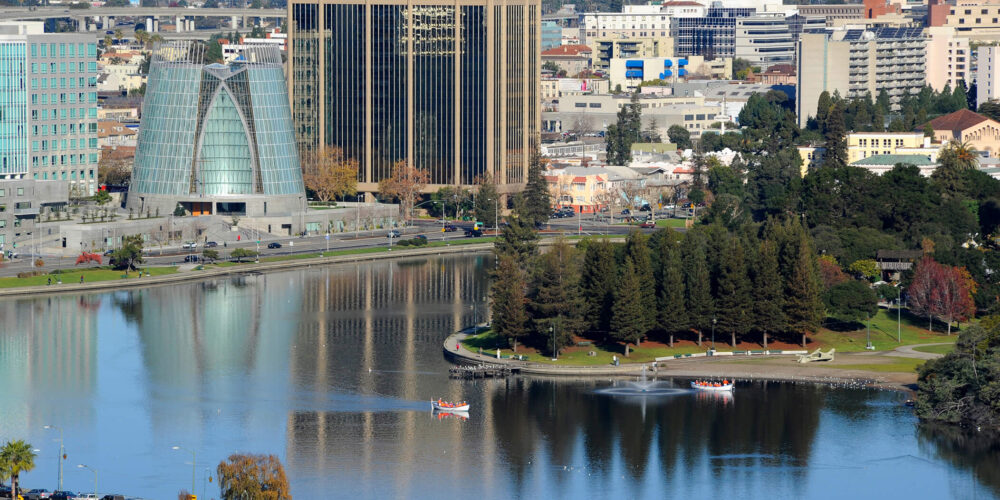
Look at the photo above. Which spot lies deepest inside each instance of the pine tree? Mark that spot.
(487, 207)
(510, 319)
(802, 299)
(836, 138)
(519, 240)
(535, 204)
(697, 282)
(734, 292)
(671, 306)
(598, 282)
(823, 105)
(882, 102)
(769, 300)
(637, 249)
(630, 321)
(554, 301)
(622, 134)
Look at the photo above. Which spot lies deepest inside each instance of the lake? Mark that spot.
(331, 369)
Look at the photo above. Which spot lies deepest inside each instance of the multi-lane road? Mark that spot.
(585, 225)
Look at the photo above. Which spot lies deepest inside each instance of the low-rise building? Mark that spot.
(629, 73)
(861, 145)
(583, 189)
(980, 132)
(607, 49)
(778, 74)
(594, 112)
(880, 164)
(572, 58)
(115, 133)
(555, 88)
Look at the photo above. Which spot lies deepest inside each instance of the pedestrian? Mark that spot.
(50, 281)
(81, 278)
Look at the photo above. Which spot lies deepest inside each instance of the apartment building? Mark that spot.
(606, 49)
(629, 73)
(979, 20)
(594, 112)
(949, 58)
(987, 74)
(764, 40)
(875, 59)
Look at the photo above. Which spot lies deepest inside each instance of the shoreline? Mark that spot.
(776, 367)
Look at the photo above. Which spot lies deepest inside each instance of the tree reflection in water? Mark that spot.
(966, 449)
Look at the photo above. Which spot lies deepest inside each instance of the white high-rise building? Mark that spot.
(988, 74)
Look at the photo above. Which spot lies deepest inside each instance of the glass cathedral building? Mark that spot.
(447, 87)
(216, 138)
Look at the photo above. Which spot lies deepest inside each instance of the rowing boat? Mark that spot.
(440, 405)
(711, 386)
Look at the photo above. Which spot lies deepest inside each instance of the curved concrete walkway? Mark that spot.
(907, 351)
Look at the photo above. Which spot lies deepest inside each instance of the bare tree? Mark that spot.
(405, 184)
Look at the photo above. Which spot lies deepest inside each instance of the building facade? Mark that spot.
(593, 112)
(987, 74)
(551, 35)
(216, 139)
(764, 40)
(712, 35)
(949, 59)
(891, 59)
(980, 132)
(449, 88)
(608, 49)
(629, 73)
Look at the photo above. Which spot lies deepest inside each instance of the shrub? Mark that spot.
(39, 262)
(29, 274)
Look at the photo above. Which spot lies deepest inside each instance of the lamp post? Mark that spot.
(81, 466)
(194, 463)
(553, 333)
(713, 333)
(62, 453)
(869, 347)
(899, 316)
(357, 216)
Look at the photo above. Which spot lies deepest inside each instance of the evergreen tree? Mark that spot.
(769, 303)
(510, 319)
(959, 97)
(878, 119)
(519, 240)
(598, 282)
(671, 305)
(735, 307)
(679, 136)
(836, 138)
(536, 203)
(882, 102)
(697, 282)
(802, 295)
(487, 206)
(637, 249)
(823, 106)
(554, 301)
(622, 134)
(630, 321)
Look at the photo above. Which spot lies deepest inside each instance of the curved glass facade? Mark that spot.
(216, 130)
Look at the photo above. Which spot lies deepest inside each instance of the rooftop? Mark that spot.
(915, 160)
(957, 121)
(567, 50)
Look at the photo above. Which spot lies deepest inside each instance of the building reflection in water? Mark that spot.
(47, 346)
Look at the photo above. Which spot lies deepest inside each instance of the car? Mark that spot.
(62, 495)
(645, 208)
(648, 224)
(191, 245)
(113, 497)
(108, 252)
(191, 258)
(420, 237)
(274, 244)
(626, 212)
(87, 496)
(669, 207)
(393, 234)
(211, 244)
(450, 228)
(473, 233)
(36, 494)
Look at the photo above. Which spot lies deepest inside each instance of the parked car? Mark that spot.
(473, 233)
(211, 244)
(645, 208)
(393, 234)
(450, 228)
(626, 212)
(274, 244)
(36, 493)
(191, 245)
(191, 258)
(113, 497)
(648, 224)
(62, 495)
(420, 237)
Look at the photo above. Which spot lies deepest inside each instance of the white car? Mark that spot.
(190, 245)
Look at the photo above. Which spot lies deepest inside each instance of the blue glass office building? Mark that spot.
(216, 138)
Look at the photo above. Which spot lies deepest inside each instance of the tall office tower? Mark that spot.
(216, 138)
(48, 123)
(450, 88)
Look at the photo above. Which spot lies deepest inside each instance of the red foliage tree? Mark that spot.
(942, 291)
(86, 257)
(921, 292)
(830, 272)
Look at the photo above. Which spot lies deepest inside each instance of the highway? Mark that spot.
(585, 225)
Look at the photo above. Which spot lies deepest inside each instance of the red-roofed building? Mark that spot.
(572, 58)
(584, 193)
(963, 125)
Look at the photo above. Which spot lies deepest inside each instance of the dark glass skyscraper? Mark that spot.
(450, 88)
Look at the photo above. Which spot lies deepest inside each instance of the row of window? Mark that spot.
(62, 160)
(63, 144)
(978, 21)
(62, 68)
(63, 98)
(50, 83)
(875, 142)
(3, 192)
(72, 113)
(64, 50)
(63, 129)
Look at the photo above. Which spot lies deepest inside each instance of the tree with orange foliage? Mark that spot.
(942, 291)
(86, 257)
(830, 272)
(253, 476)
(330, 174)
(404, 184)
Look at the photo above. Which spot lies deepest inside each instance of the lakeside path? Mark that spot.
(72, 287)
(877, 369)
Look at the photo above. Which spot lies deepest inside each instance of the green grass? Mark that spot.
(296, 256)
(883, 334)
(895, 364)
(578, 356)
(90, 275)
(936, 349)
(675, 223)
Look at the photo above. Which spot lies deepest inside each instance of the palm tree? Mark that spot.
(107, 42)
(16, 457)
(119, 34)
(966, 155)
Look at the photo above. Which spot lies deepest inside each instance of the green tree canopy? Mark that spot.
(851, 300)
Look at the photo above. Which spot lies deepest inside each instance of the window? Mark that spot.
(595, 105)
(580, 104)
(20, 191)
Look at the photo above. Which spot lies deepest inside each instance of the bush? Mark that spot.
(39, 262)
(30, 274)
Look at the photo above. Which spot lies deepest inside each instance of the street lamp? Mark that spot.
(194, 462)
(62, 453)
(899, 316)
(713, 333)
(552, 332)
(81, 466)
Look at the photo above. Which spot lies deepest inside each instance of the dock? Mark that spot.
(482, 370)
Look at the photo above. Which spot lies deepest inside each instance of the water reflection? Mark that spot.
(332, 369)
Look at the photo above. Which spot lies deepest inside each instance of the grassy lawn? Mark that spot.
(883, 331)
(936, 349)
(670, 222)
(578, 355)
(89, 275)
(893, 364)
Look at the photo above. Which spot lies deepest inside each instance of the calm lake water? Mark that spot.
(331, 369)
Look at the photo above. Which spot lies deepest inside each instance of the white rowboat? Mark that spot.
(450, 407)
(720, 387)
